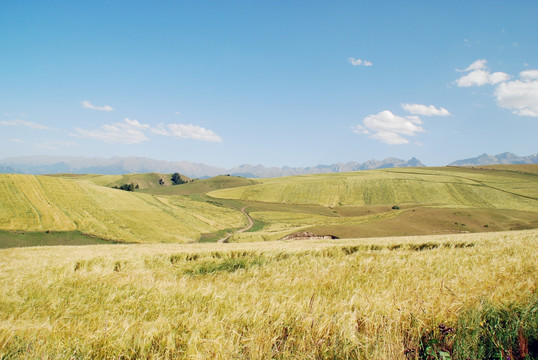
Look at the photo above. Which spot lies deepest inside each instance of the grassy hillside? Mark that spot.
(359, 204)
(202, 186)
(433, 186)
(449, 296)
(144, 181)
(41, 203)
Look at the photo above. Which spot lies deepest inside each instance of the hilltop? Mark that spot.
(144, 181)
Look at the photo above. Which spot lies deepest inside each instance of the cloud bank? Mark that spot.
(24, 123)
(127, 132)
(189, 131)
(133, 132)
(520, 95)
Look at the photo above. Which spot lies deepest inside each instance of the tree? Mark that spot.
(176, 179)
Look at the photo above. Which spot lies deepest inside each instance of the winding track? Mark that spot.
(248, 227)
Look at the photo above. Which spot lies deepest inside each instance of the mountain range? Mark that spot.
(123, 165)
(500, 159)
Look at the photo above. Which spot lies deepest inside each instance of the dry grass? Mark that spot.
(356, 299)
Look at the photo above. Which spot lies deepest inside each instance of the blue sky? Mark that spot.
(276, 83)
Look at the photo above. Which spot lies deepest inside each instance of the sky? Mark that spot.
(296, 83)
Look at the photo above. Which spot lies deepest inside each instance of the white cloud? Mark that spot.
(481, 77)
(478, 74)
(134, 124)
(521, 96)
(16, 140)
(88, 105)
(28, 124)
(189, 131)
(133, 132)
(54, 145)
(359, 62)
(477, 65)
(127, 132)
(390, 128)
(160, 130)
(430, 110)
(390, 138)
(529, 75)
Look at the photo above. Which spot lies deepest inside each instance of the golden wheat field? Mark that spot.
(44, 203)
(428, 297)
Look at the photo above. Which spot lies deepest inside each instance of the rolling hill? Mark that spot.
(45, 203)
(388, 202)
(432, 186)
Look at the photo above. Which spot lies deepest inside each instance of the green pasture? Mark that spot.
(9, 239)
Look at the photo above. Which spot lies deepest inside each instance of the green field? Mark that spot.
(379, 298)
(390, 202)
(9, 239)
(434, 186)
(359, 204)
(43, 203)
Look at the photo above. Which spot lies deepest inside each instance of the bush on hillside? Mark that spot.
(127, 187)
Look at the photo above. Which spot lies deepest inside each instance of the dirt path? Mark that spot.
(247, 228)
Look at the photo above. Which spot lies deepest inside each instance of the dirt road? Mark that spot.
(247, 228)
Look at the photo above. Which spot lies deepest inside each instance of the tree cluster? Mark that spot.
(127, 187)
(177, 180)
